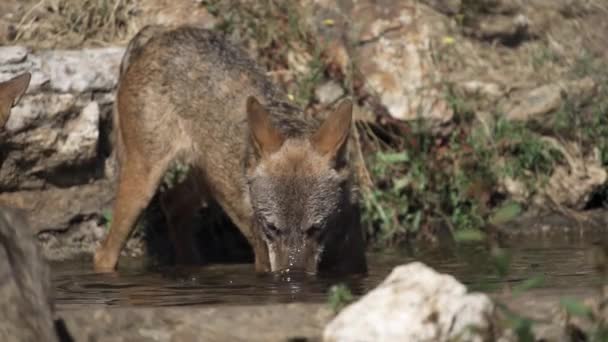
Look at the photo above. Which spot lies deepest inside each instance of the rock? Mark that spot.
(393, 48)
(517, 190)
(12, 54)
(395, 57)
(537, 102)
(283, 322)
(37, 109)
(508, 30)
(570, 185)
(534, 104)
(57, 124)
(80, 144)
(74, 211)
(480, 88)
(82, 70)
(32, 64)
(80, 239)
(69, 221)
(47, 132)
(26, 304)
(573, 184)
(415, 303)
(329, 92)
(64, 71)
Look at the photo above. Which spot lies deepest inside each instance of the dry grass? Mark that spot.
(76, 23)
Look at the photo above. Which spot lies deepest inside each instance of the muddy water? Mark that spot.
(563, 265)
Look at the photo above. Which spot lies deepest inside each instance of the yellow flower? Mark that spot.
(328, 22)
(448, 40)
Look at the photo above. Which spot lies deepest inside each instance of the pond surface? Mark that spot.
(564, 266)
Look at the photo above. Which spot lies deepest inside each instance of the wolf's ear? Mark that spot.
(329, 139)
(265, 137)
(10, 93)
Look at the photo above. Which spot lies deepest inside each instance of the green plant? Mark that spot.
(306, 84)
(339, 296)
(107, 218)
(176, 174)
(529, 157)
(423, 180)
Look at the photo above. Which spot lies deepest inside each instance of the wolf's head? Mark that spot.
(299, 187)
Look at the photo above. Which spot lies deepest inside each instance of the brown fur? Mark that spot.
(26, 303)
(186, 94)
(10, 93)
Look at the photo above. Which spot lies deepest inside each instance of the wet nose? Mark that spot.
(297, 258)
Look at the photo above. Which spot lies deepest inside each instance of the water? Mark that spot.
(564, 266)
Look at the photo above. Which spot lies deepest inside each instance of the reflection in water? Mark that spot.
(563, 265)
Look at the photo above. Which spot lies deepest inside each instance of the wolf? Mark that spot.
(187, 95)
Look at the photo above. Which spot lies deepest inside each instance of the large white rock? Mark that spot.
(392, 51)
(415, 303)
(82, 70)
(395, 57)
(64, 71)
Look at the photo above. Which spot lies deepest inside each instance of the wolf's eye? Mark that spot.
(313, 230)
(271, 230)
